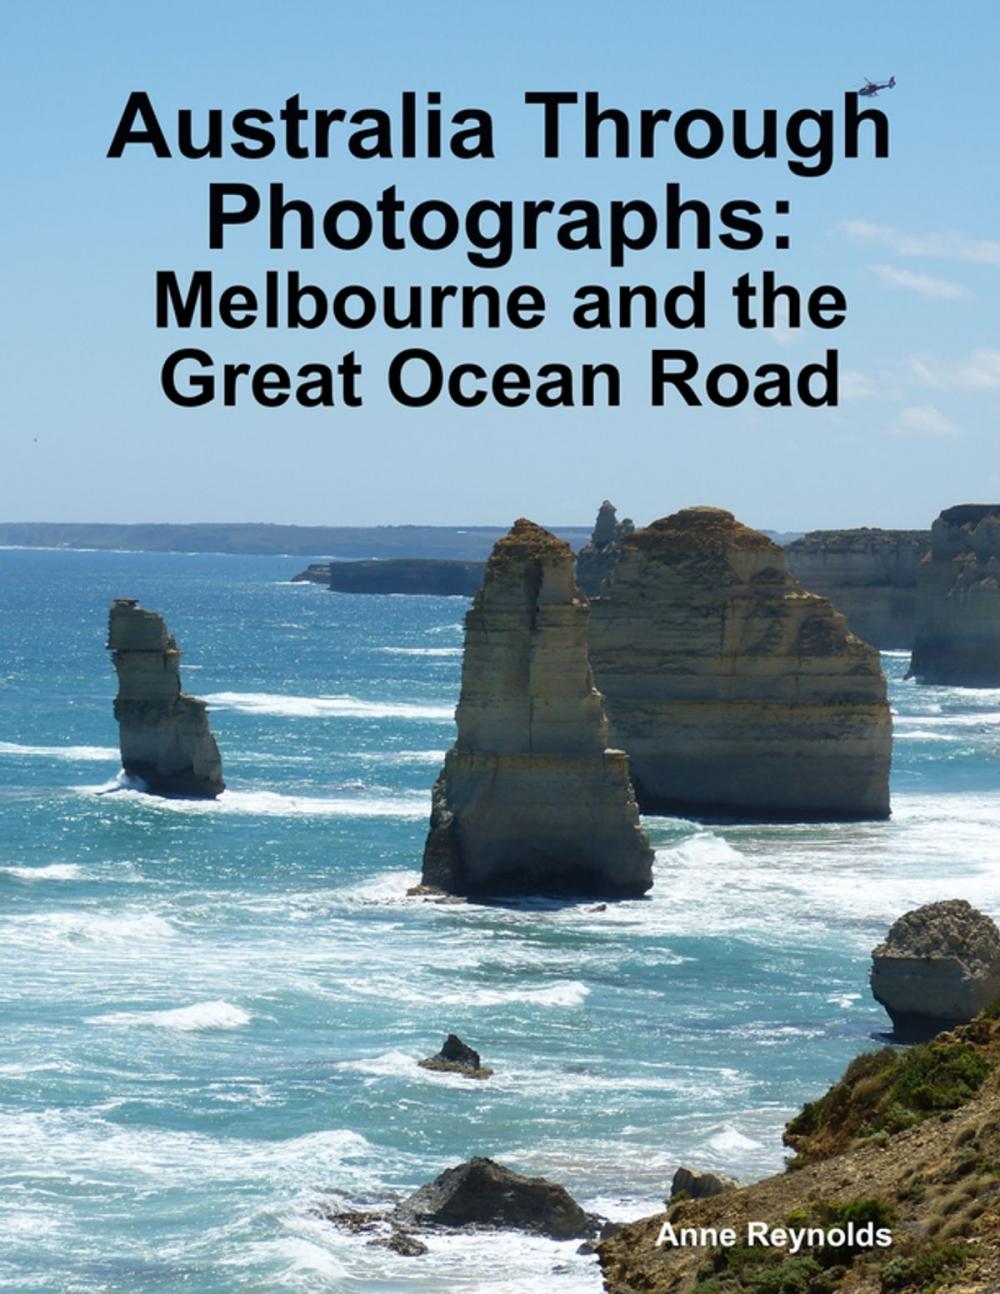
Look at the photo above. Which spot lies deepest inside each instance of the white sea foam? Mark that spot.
(273, 804)
(325, 707)
(183, 1019)
(565, 993)
(87, 927)
(51, 872)
(398, 757)
(75, 754)
(730, 1141)
(420, 651)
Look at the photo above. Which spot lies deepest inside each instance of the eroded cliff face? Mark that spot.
(734, 691)
(868, 574)
(530, 798)
(957, 633)
(596, 560)
(163, 733)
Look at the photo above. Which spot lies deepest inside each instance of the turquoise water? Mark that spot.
(212, 1013)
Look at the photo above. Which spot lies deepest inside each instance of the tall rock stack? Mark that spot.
(164, 734)
(530, 799)
(957, 634)
(735, 692)
(869, 574)
(596, 560)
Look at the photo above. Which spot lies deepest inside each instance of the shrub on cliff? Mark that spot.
(886, 1091)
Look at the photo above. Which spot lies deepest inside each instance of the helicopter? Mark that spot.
(871, 88)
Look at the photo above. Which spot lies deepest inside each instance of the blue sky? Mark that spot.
(913, 240)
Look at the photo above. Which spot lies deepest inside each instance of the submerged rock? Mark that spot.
(530, 799)
(456, 1058)
(938, 967)
(868, 574)
(596, 560)
(482, 1193)
(735, 692)
(163, 733)
(957, 634)
(700, 1186)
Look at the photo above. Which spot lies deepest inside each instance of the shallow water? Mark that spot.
(213, 1012)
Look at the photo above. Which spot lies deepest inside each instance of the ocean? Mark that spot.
(212, 1012)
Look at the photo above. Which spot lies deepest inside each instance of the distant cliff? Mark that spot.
(463, 543)
(868, 574)
(414, 575)
(957, 634)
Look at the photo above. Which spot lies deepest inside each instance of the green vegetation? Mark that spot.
(742, 1270)
(887, 1091)
(930, 1267)
(746, 1269)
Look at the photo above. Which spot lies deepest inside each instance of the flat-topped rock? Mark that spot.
(531, 799)
(957, 631)
(163, 733)
(938, 966)
(735, 691)
(868, 574)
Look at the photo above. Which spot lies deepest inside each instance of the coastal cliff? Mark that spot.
(868, 574)
(908, 1140)
(735, 692)
(596, 560)
(957, 633)
(163, 733)
(531, 800)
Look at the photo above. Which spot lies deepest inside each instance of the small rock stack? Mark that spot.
(163, 733)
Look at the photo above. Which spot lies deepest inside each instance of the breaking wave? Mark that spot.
(274, 804)
(52, 872)
(75, 754)
(325, 707)
(182, 1019)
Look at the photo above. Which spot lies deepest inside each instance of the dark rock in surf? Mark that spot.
(456, 1058)
(484, 1194)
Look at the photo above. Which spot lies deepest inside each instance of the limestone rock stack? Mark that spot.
(734, 691)
(164, 734)
(957, 634)
(938, 966)
(596, 560)
(868, 574)
(530, 798)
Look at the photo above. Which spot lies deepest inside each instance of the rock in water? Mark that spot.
(164, 734)
(868, 574)
(596, 560)
(481, 1193)
(700, 1186)
(530, 799)
(957, 634)
(938, 967)
(456, 1058)
(735, 692)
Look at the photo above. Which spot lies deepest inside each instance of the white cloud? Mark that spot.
(925, 284)
(946, 244)
(923, 420)
(978, 371)
(855, 386)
